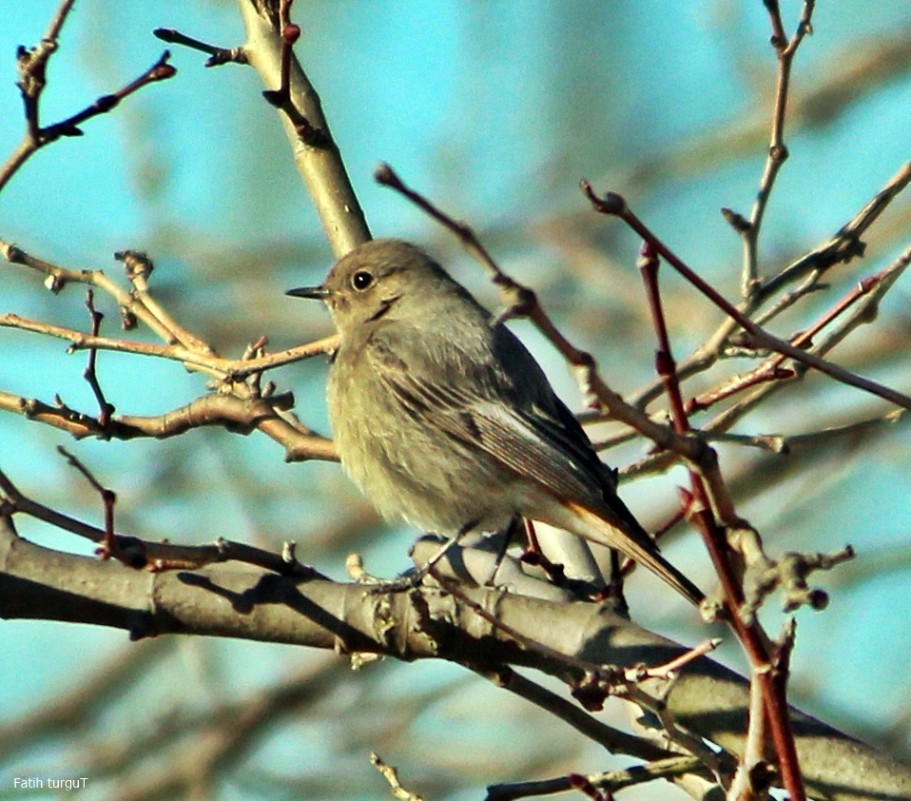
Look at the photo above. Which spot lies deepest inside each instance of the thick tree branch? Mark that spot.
(234, 601)
(318, 159)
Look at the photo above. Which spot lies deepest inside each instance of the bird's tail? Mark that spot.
(637, 545)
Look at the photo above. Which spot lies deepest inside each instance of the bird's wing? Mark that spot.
(511, 414)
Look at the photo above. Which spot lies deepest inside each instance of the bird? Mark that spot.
(442, 417)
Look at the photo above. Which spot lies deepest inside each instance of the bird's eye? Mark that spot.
(361, 280)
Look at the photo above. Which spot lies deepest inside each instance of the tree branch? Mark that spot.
(223, 600)
(318, 159)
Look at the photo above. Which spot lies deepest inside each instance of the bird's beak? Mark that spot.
(313, 292)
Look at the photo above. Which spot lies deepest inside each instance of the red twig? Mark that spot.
(521, 297)
(614, 205)
(108, 548)
(144, 554)
(701, 508)
(669, 669)
(769, 669)
(772, 370)
(281, 98)
(664, 360)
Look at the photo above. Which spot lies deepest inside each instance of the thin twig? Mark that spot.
(613, 740)
(863, 313)
(217, 55)
(235, 414)
(845, 245)
(108, 547)
(105, 409)
(233, 369)
(753, 774)
(138, 267)
(772, 369)
(57, 277)
(710, 495)
(614, 205)
(391, 775)
(609, 782)
(282, 97)
(32, 65)
(784, 443)
(669, 669)
(778, 151)
(138, 553)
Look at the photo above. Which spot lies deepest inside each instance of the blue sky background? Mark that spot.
(495, 110)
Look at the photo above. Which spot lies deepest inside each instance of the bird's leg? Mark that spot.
(434, 560)
(415, 577)
(508, 534)
(614, 589)
(534, 555)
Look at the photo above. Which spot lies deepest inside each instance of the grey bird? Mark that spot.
(441, 416)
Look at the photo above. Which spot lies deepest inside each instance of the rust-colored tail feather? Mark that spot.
(637, 545)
